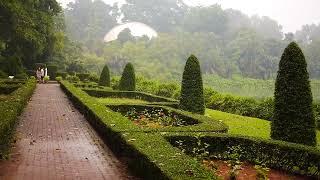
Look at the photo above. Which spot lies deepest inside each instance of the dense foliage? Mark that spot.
(293, 118)
(29, 34)
(228, 43)
(191, 98)
(128, 79)
(105, 77)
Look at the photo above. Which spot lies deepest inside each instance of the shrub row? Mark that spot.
(294, 158)
(128, 94)
(8, 88)
(10, 109)
(148, 154)
(197, 122)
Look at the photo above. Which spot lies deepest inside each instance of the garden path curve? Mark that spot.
(54, 141)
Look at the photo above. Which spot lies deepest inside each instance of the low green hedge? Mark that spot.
(148, 154)
(200, 123)
(10, 109)
(128, 94)
(294, 158)
(8, 88)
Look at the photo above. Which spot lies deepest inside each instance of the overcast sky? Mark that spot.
(291, 14)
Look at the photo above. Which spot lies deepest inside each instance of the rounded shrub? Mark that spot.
(192, 98)
(128, 79)
(105, 77)
(293, 118)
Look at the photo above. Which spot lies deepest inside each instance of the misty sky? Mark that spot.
(291, 14)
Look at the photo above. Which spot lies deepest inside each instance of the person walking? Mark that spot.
(38, 74)
(42, 75)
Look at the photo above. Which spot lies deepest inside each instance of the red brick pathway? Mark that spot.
(54, 141)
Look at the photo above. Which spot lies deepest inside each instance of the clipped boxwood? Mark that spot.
(8, 88)
(128, 79)
(293, 119)
(291, 157)
(10, 109)
(105, 77)
(128, 94)
(62, 74)
(83, 76)
(148, 154)
(194, 122)
(191, 98)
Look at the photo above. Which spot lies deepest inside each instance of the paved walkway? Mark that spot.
(54, 141)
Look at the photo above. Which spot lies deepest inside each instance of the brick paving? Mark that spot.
(54, 141)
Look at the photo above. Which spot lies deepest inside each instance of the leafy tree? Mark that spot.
(128, 79)
(293, 118)
(105, 77)
(192, 87)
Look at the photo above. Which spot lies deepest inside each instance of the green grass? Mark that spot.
(247, 126)
(120, 101)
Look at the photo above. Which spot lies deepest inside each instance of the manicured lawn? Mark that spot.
(120, 101)
(246, 125)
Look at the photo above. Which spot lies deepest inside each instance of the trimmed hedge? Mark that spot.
(197, 123)
(148, 154)
(191, 98)
(128, 94)
(294, 158)
(83, 76)
(293, 119)
(8, 88)
(10, 109)
(62, 74)
(105, 77)
(128, 79)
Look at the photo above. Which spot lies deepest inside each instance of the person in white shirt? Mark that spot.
(42, 75)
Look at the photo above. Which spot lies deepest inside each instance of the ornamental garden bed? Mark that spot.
(154, 117)
(235, 151)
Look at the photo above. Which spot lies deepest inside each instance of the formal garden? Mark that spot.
(203, 134)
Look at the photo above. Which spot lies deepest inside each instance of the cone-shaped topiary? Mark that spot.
(192, 87)
(293, 118)
(128, 79)
(105, 77)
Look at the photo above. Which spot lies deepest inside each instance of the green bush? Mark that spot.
(83, 76)
(10, 109)
(293, 118)
(105, 77)
(59, 78)
(72, 78)
(52, 71)
(192, 98)
(128, 79)
(62, 74)
(94, 78)
(294, 158)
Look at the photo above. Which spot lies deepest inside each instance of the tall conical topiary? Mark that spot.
(128, 79)
(293, 118)
(192, 87)
(105, 77)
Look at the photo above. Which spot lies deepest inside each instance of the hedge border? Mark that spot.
(255, 150)
(149, 155)
(10, 109)
(129, 94)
